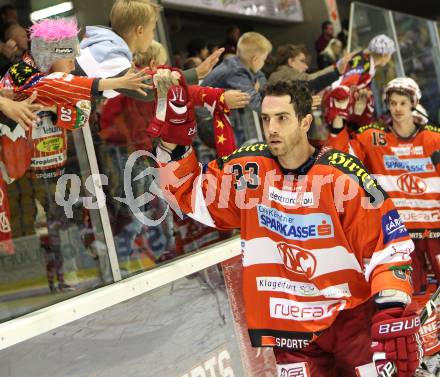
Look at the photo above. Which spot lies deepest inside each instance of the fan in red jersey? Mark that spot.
(66, 99)
(356, 80)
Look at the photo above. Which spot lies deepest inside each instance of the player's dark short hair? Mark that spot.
(299, 92)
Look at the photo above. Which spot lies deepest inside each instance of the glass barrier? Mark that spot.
(420, 58)
(418, 54)
(146, 231)
(48, 252)
(182, 329)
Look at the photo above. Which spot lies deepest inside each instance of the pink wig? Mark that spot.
(54, 29)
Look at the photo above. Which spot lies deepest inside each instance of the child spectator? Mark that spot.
(243, 72)
(108, 52)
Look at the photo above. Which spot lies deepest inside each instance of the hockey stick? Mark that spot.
(389, 370)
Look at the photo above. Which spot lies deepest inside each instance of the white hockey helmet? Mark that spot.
(403, 84)
(382, 45)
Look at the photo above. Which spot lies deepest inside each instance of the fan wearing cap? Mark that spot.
(65, 98)
(351, 96)
(404, 154)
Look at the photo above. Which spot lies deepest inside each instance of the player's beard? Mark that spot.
(284, 147)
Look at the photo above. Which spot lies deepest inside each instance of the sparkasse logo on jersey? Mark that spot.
(296, 227)
(412, 165)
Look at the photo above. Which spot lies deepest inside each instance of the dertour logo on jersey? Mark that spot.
(392, 226)
(303, 311)
(296, 227)
(412, 165)
(291, 199)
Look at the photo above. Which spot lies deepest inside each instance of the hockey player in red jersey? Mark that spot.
(404, 156)
(317, 286)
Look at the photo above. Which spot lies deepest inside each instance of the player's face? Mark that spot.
(65, 65)
(282, 129)
(400, 107)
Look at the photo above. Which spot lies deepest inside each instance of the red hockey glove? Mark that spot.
(363, 107)
(174, 119)
(395, 339)
(337, 102)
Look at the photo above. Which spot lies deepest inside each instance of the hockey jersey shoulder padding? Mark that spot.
(430, 127)
(372, 126)
(258, 149)
(354, 168)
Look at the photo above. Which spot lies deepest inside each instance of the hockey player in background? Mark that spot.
(404, 156)
(403, 153)
(318, 287)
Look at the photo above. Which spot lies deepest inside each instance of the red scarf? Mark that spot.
(214, 100)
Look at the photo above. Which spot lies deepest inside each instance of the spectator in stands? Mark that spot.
(327, 33)
(343, 34)
(243, 72)
(331, 54)
(291, 61)
(18, 34)
(16, 37)
(8, 13)
(192, 63)
(212, 47)
(232, 36)
(197, 48)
